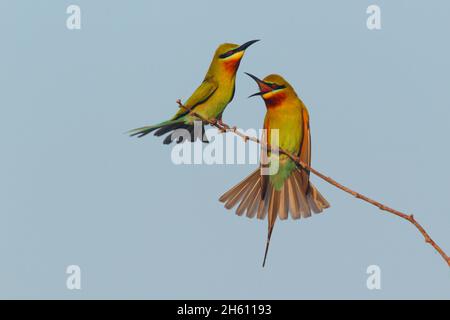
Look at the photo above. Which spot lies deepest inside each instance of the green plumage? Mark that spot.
(286, 166)
(209, 100)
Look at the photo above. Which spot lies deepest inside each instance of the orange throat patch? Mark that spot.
(274, 99)
(232, 65)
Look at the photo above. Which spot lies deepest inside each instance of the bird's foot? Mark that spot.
(223, 126)
(216, 123)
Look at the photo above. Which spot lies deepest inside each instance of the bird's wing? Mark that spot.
(305, 149)
(203, 93)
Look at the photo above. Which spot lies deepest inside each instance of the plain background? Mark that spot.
(76, 190)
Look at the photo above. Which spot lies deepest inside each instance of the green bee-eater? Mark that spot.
(210, 98)
(289, 189)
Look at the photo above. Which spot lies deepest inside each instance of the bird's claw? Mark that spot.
(223, 125)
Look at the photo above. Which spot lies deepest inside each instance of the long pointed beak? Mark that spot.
(264, 87)
(256, 94)
(245, 45)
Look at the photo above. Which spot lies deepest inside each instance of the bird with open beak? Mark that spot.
(288, 189)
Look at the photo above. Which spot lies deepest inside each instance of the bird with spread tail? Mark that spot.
(288, 189)
(209, 100)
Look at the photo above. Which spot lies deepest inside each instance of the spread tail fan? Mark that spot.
(291, 198)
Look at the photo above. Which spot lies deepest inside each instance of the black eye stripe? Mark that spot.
(275, 86)
(227, 54)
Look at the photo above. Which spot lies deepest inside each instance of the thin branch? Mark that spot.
(409, 217)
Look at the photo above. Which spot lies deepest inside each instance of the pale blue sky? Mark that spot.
(76, 190)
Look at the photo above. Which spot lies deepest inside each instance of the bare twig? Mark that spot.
(223, 127)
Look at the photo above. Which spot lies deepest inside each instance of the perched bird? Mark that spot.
(289, 188)
(210, 98)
